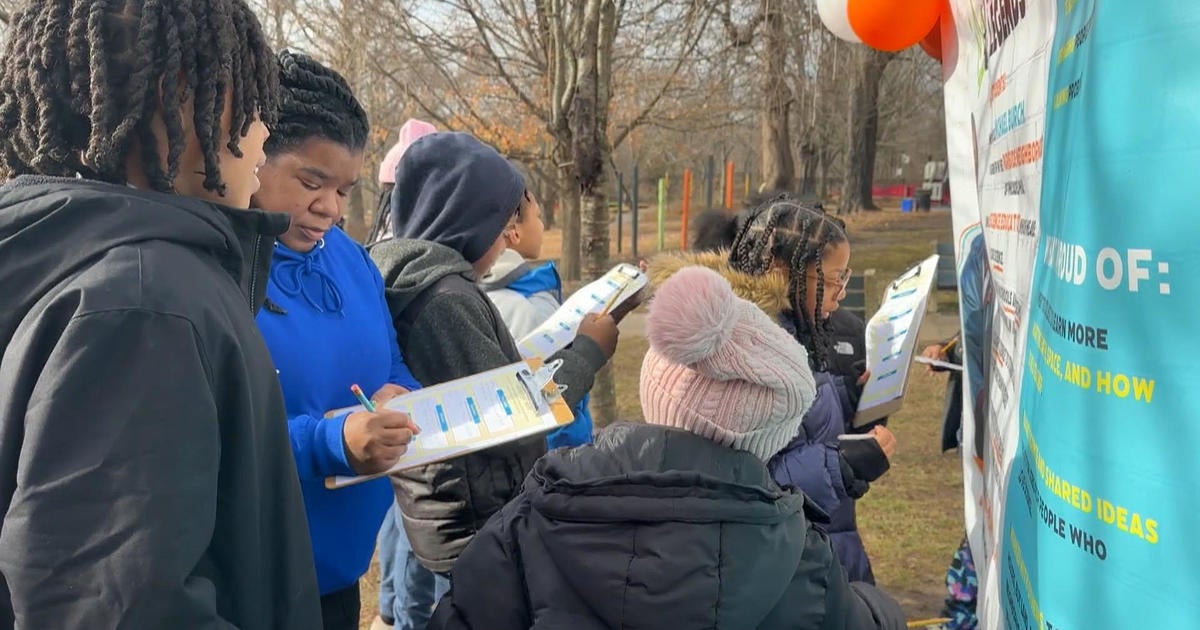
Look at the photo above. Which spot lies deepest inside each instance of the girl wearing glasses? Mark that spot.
(793, 261)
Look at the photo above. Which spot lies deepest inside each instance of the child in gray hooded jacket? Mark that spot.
(454, 196)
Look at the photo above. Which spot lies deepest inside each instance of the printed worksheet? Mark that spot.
(601, 296)
(474, 413)
(892, 339)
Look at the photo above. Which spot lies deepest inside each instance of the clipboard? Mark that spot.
(474, 413)
(891, 341)
(602, 296)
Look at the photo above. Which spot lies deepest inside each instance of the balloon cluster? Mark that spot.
(889, 25)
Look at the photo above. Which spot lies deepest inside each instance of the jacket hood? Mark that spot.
(454, 190)
(51, 228)
(410, 266)
(680, 490)
(768, 292)
(509, 267)
(515, 273)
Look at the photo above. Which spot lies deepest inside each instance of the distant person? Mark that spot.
(454, 197)
(146, 478)
(328, 328)
(674, 523)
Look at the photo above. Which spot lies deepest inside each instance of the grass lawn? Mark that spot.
(911, 520)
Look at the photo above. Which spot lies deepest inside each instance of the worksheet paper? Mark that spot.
(605, 294)
(474, 413)
(892, 339)
(945, 365)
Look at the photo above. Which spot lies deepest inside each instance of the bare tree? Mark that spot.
(862, 132)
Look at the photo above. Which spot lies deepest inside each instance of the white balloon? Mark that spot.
(836, 17)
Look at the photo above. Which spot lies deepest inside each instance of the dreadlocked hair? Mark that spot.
(82, 79)
(316, 102)
(799, 236)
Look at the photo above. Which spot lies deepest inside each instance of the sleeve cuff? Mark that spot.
(590, 351)
(331, 452)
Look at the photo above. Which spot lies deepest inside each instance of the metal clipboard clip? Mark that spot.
(541, 386)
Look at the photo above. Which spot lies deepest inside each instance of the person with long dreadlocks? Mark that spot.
(327, 326)
(793, 262)
(145, 475)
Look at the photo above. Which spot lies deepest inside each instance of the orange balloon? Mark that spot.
(893, 25)
(932, 44)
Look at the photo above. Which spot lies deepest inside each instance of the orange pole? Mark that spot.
(729, 185)
(687, 204)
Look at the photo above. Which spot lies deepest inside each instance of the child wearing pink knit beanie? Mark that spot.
(409, 133)
(720, 368)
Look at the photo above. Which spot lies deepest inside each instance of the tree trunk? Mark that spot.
(823, 160)
(779, 169)
(356, 216)
(862, 130)
(808, 167)
(589, 125)
(568, 215)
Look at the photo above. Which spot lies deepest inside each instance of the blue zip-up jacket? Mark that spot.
(526, 296)
(327, 327)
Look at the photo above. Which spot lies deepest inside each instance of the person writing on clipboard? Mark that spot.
(327, 327)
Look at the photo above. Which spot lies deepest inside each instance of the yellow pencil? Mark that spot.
(612, 301)
(924, 623)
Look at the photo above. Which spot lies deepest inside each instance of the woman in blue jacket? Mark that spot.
(793, 262)
(327, 327)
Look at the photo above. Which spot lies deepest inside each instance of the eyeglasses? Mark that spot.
(839, 282)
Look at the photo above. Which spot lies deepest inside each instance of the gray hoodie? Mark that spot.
(447, 329)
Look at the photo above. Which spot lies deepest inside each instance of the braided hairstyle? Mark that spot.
(799, 236)
(81, 80)
(316, 102)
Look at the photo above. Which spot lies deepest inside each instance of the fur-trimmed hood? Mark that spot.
(768, 292)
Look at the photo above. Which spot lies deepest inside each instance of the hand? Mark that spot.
(386, 393)
(934, 353)
(643, 265)
(864, 377)
(603, 330)
(886, 439)
(374, 441)
(628, 305)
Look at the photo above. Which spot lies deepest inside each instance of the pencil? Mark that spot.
(366, 402)
(946, 348)
(612, 301)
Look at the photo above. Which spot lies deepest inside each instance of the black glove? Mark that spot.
(854, 486)
(865, 458)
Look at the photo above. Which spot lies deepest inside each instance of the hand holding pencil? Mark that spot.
(375, 440)
(603, 330)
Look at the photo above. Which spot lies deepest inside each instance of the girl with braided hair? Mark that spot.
(793, 261)
(327, 326)
(145, 480)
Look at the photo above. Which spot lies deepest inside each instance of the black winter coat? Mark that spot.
(146, 477)
(655, 528)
